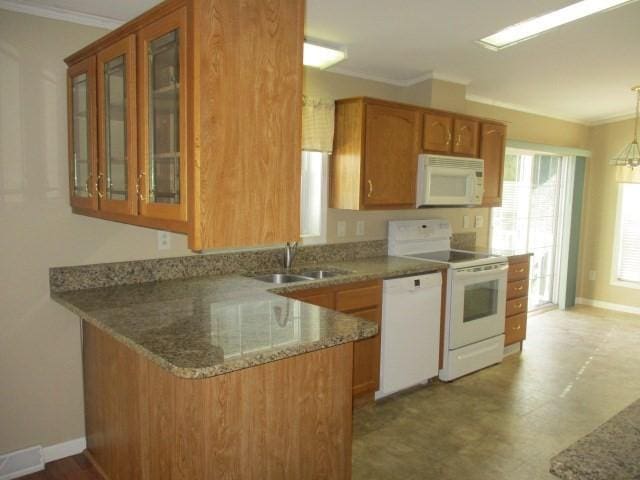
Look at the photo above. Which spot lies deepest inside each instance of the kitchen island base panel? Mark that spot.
(285, 419)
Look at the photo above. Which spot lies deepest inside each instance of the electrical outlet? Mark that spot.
(342, 228)
(360, 228)
(466, 222)
(592, 275)
(164, 240)
(479, 221)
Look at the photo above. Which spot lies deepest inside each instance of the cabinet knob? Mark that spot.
(370, 188)
(100, 194)
(138, 189)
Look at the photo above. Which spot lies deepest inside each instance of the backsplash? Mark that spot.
(62, 279)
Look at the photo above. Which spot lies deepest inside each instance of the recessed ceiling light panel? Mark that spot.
(537, 25)
(322, 55)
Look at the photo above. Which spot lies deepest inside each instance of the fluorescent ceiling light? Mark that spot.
(322, 55)
(536, 25)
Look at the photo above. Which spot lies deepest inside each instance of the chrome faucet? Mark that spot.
(290, 250)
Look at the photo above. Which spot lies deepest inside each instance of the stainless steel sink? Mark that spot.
(282, 278)
(320, 274)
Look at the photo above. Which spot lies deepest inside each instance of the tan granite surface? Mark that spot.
(207, 326)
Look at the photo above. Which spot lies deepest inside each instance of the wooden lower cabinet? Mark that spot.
(517, 291)
(285, 419)
(363, 299)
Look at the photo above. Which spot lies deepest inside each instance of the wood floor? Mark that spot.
(70, 468)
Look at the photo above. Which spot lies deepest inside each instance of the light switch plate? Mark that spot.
(360, 228)
(466, 221)
(479, 221)
(164, 240)
(342, 228)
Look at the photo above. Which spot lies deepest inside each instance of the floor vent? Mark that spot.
(21, 462)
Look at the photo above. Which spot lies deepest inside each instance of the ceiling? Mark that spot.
(582, 71)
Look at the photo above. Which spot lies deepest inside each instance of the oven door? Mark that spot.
(449, 186)
(478, 302)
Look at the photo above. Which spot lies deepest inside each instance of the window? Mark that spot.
(626, 248)
(313, 197)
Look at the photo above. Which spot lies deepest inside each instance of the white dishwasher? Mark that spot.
(410, 332)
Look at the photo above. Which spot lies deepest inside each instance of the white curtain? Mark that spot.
(318, 117)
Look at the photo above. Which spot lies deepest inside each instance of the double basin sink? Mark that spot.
(280, 278)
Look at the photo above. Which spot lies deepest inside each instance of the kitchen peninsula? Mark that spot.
(217, 376)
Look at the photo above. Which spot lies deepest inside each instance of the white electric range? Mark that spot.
(476, 294)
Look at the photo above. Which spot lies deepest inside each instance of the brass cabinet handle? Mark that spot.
(138, 192)
(520, 270)
(520, 288)
(449, 136)
(87, 187)
(519, 305)
(370, 188)
(519, 327)
(459, 140)
(100, 194)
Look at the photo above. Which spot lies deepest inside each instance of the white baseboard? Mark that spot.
(64, 449)
(608, 306)
(511, 349)
(30, 460)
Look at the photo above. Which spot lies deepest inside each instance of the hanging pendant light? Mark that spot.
(630, 155)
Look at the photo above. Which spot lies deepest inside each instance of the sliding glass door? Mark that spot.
(531, 215)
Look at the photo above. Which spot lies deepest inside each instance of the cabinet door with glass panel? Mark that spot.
(162, 179)
(117, 145)
(81, 88)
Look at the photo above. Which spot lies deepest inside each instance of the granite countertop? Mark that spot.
(206, 326)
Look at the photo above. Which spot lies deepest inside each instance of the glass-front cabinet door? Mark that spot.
(117, 159)
(162, 182)
(81, 87)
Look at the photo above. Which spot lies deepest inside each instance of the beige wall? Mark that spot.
(41, 394)
(599, 217)
(41, 390)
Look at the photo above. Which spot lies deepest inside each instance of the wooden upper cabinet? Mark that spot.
(117, 134)
(492, 151)
(82, 136)
(391, 152)
(200, 120)
(375, 154)
(437, 135)
(465, 137)
(162, 179)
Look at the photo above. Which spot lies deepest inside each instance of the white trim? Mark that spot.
(64, 449)
(56, 13)
(21, 462)
(521, 108)
(612, 119)
(613, 279)
(617, 307)
(543, 148)
(401, 83)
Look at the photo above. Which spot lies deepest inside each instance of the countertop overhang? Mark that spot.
(207, 326)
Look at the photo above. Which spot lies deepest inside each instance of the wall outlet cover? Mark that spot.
(479, 221)
(341, 228)
(164, 240)
(360, 228)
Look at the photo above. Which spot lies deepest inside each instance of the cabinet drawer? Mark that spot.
(516, 306)
(517, 289)
(515, 329)
(518, 271)
(358, 298)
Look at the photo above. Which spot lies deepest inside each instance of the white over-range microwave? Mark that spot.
(449, 181)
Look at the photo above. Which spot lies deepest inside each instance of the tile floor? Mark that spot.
(577, 370)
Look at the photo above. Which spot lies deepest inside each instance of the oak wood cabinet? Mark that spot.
(174, 117)
(493, 138)
(517, 291)
(375, 155)
(362, 299)
(376, 145)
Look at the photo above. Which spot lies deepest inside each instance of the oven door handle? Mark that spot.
(481, 274)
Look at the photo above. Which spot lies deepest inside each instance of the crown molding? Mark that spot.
(612, 119)
(365, 76)
(63, 14)
(522, 108)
